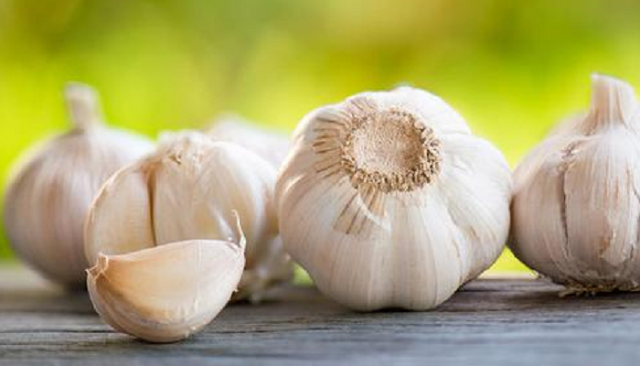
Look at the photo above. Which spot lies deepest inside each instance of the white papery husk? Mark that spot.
(576, 203)
(270, 145)
(369, 249)
(53, 186)
(190, 189)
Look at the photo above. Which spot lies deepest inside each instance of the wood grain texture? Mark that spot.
(491, 322)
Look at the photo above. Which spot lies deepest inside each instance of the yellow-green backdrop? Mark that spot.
(512, 68)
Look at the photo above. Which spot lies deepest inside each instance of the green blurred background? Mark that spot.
(511, 68)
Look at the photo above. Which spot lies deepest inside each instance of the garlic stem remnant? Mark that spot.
(270, 145)
(388, 200)
(576, 204)
(189, 189)
(166, 293)
(48, 198)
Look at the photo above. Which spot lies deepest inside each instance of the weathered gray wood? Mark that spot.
(491, 322)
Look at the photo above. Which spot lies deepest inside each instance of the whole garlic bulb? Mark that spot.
(269, 145)
(164, 294)
(388, 200)
(576, 196)
(47, 200)
(188, 190)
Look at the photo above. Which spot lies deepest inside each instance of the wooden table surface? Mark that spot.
(490, 322)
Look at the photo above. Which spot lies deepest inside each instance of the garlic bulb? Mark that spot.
(47, 200)
(187, 190)
(388, 200)
(269, 145)
(576, 204)
(166, 293)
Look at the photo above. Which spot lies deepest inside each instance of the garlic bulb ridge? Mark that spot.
(388, 200)
(576, 204)
(48, 197)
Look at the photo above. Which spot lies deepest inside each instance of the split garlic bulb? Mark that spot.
(576, 204)
(166, 293)
(47, 200)
(189, 189)
(388, 200)
(270, 145)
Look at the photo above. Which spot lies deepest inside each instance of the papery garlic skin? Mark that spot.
(269, 145)
(388, 200)
(164, 294)
(189, 189)
(49, 196)
(576, 196)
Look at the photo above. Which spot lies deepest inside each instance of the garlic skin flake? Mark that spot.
(164, 294)
(48, 198)
(389, 201)
(189, 189)
(269, 145)
(576, 202)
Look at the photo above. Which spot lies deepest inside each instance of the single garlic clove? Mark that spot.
(128, 188)
(575, 205)
(388, 200)
(270, 145)
(166, 293)
(189, 189)
(48, 197)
